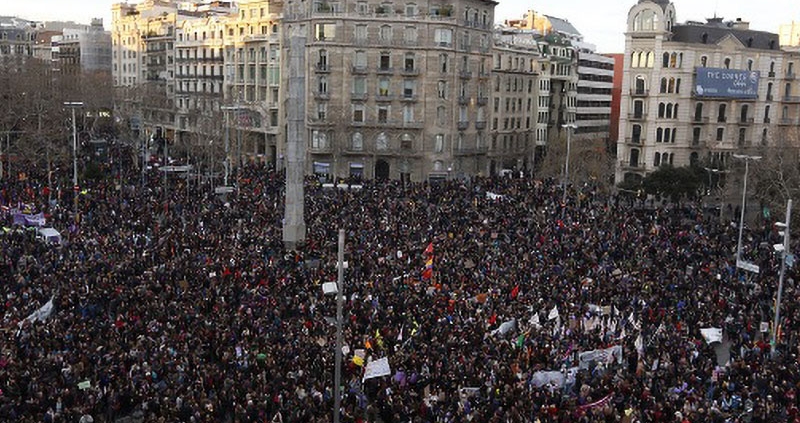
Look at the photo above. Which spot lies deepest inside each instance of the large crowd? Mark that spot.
(181, 305)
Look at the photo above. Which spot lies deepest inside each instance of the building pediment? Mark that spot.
(730, 43)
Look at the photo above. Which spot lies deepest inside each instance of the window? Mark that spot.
(660, 135)
(409, 87)
(766, 114)
(409, 62)
(720, 133)
(410, 35)
(441, 115)
(382, 142)
(359, 85)
(695, 136)
(383, 87)
(383, 114)
(442, 89)
(640, 85)
(661, 110)
(325, 32)
(322, 62)
(742, 136)
(704, 61)
(357, 141)
(361, 33)
(663, 85)
(636, 134)
(438, 145)
(322, 85)
(443, 63)
(408, 113)
(698, 112)
(443, 37)
(358, 113)
(727, 63)
(411, 9)
(657, 160)
(787, 90)
(764, 137)
(360, 59)
(322, 112)
(319, 140)
(743, 113)
(721, 113)
(386, 61)
(385, 33)
(749, 64)
(406, 142)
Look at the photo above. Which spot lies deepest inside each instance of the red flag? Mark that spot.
(429, 250)
(515, 292)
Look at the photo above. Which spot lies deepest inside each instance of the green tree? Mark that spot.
(675, 183)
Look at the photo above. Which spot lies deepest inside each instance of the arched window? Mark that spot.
(694, 158)
(646, 20)
(659, 135)
(750, 42)
(769, 91)
(749, 64)
(669, 111)
(657, 160)
(667, 134)
(663, 85)
(673, 60)
(764, 137)
(634, 60)
(640, 85)
(721, 113)
(743, 113)
(680, 60)
(638, 109)
(698, 112)
(671, 86)
(675, 111)
(704, 38)
(438, 166)
(651, 59)
(678, 86)
(704, 61)
(665, 61)
(766, 114)
(727, 63)
(674, 135)
(636, 134)
(772, 68)
(661, 110)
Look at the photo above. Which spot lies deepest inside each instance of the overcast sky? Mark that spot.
(601, 22)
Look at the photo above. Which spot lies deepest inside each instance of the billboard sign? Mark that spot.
(726, 83)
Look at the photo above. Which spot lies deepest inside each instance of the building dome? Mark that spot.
(662, 3)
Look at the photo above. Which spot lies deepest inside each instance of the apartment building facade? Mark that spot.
(17, 37)
(397, 90)
(680, 105)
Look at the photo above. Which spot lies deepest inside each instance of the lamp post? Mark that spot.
(569, 127)
(785, 253)
(746, 159)
(337, 390)
(74, 105)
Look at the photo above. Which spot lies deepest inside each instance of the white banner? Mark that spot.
(505, 328)
(377, 368)
(712, 335)
(41, 314)
(607, 355)
(553, 313)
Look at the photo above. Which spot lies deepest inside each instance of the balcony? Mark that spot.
(482, 101)
(481, 124)
(771, 74)
(322, 96)
(790, 76)
(411, 98)
(786, 121)
(746, 121)
(384, 97)
(637, 117)
(463, 100)
(470, 151)
(463, 125)
(385, 70)
(640, 93)
(791, 99)
(769, 97)
(700, 119)
(722, 119)
(483, 75)
(322, 68)
(359, 70)
(358, 96)
(465, 74)
(410, 71)
(634, 141)
(628, 165)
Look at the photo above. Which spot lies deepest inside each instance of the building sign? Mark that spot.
(727, 83)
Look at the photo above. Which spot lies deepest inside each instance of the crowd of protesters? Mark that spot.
(181, 305)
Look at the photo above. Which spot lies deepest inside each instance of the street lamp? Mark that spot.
(74, 105)
(569, 127)
(786, 254)
(746, 159)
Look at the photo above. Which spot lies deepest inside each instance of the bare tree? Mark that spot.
(776, 177)
(589, 162)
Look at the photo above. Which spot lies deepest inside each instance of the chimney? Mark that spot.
(740, 24)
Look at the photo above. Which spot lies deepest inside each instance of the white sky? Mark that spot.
(602, 22)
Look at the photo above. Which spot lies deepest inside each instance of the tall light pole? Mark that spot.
(569, 127)
(746, 159)
(337, 389)
(74, 105)
(785, 253)
(227, 110)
